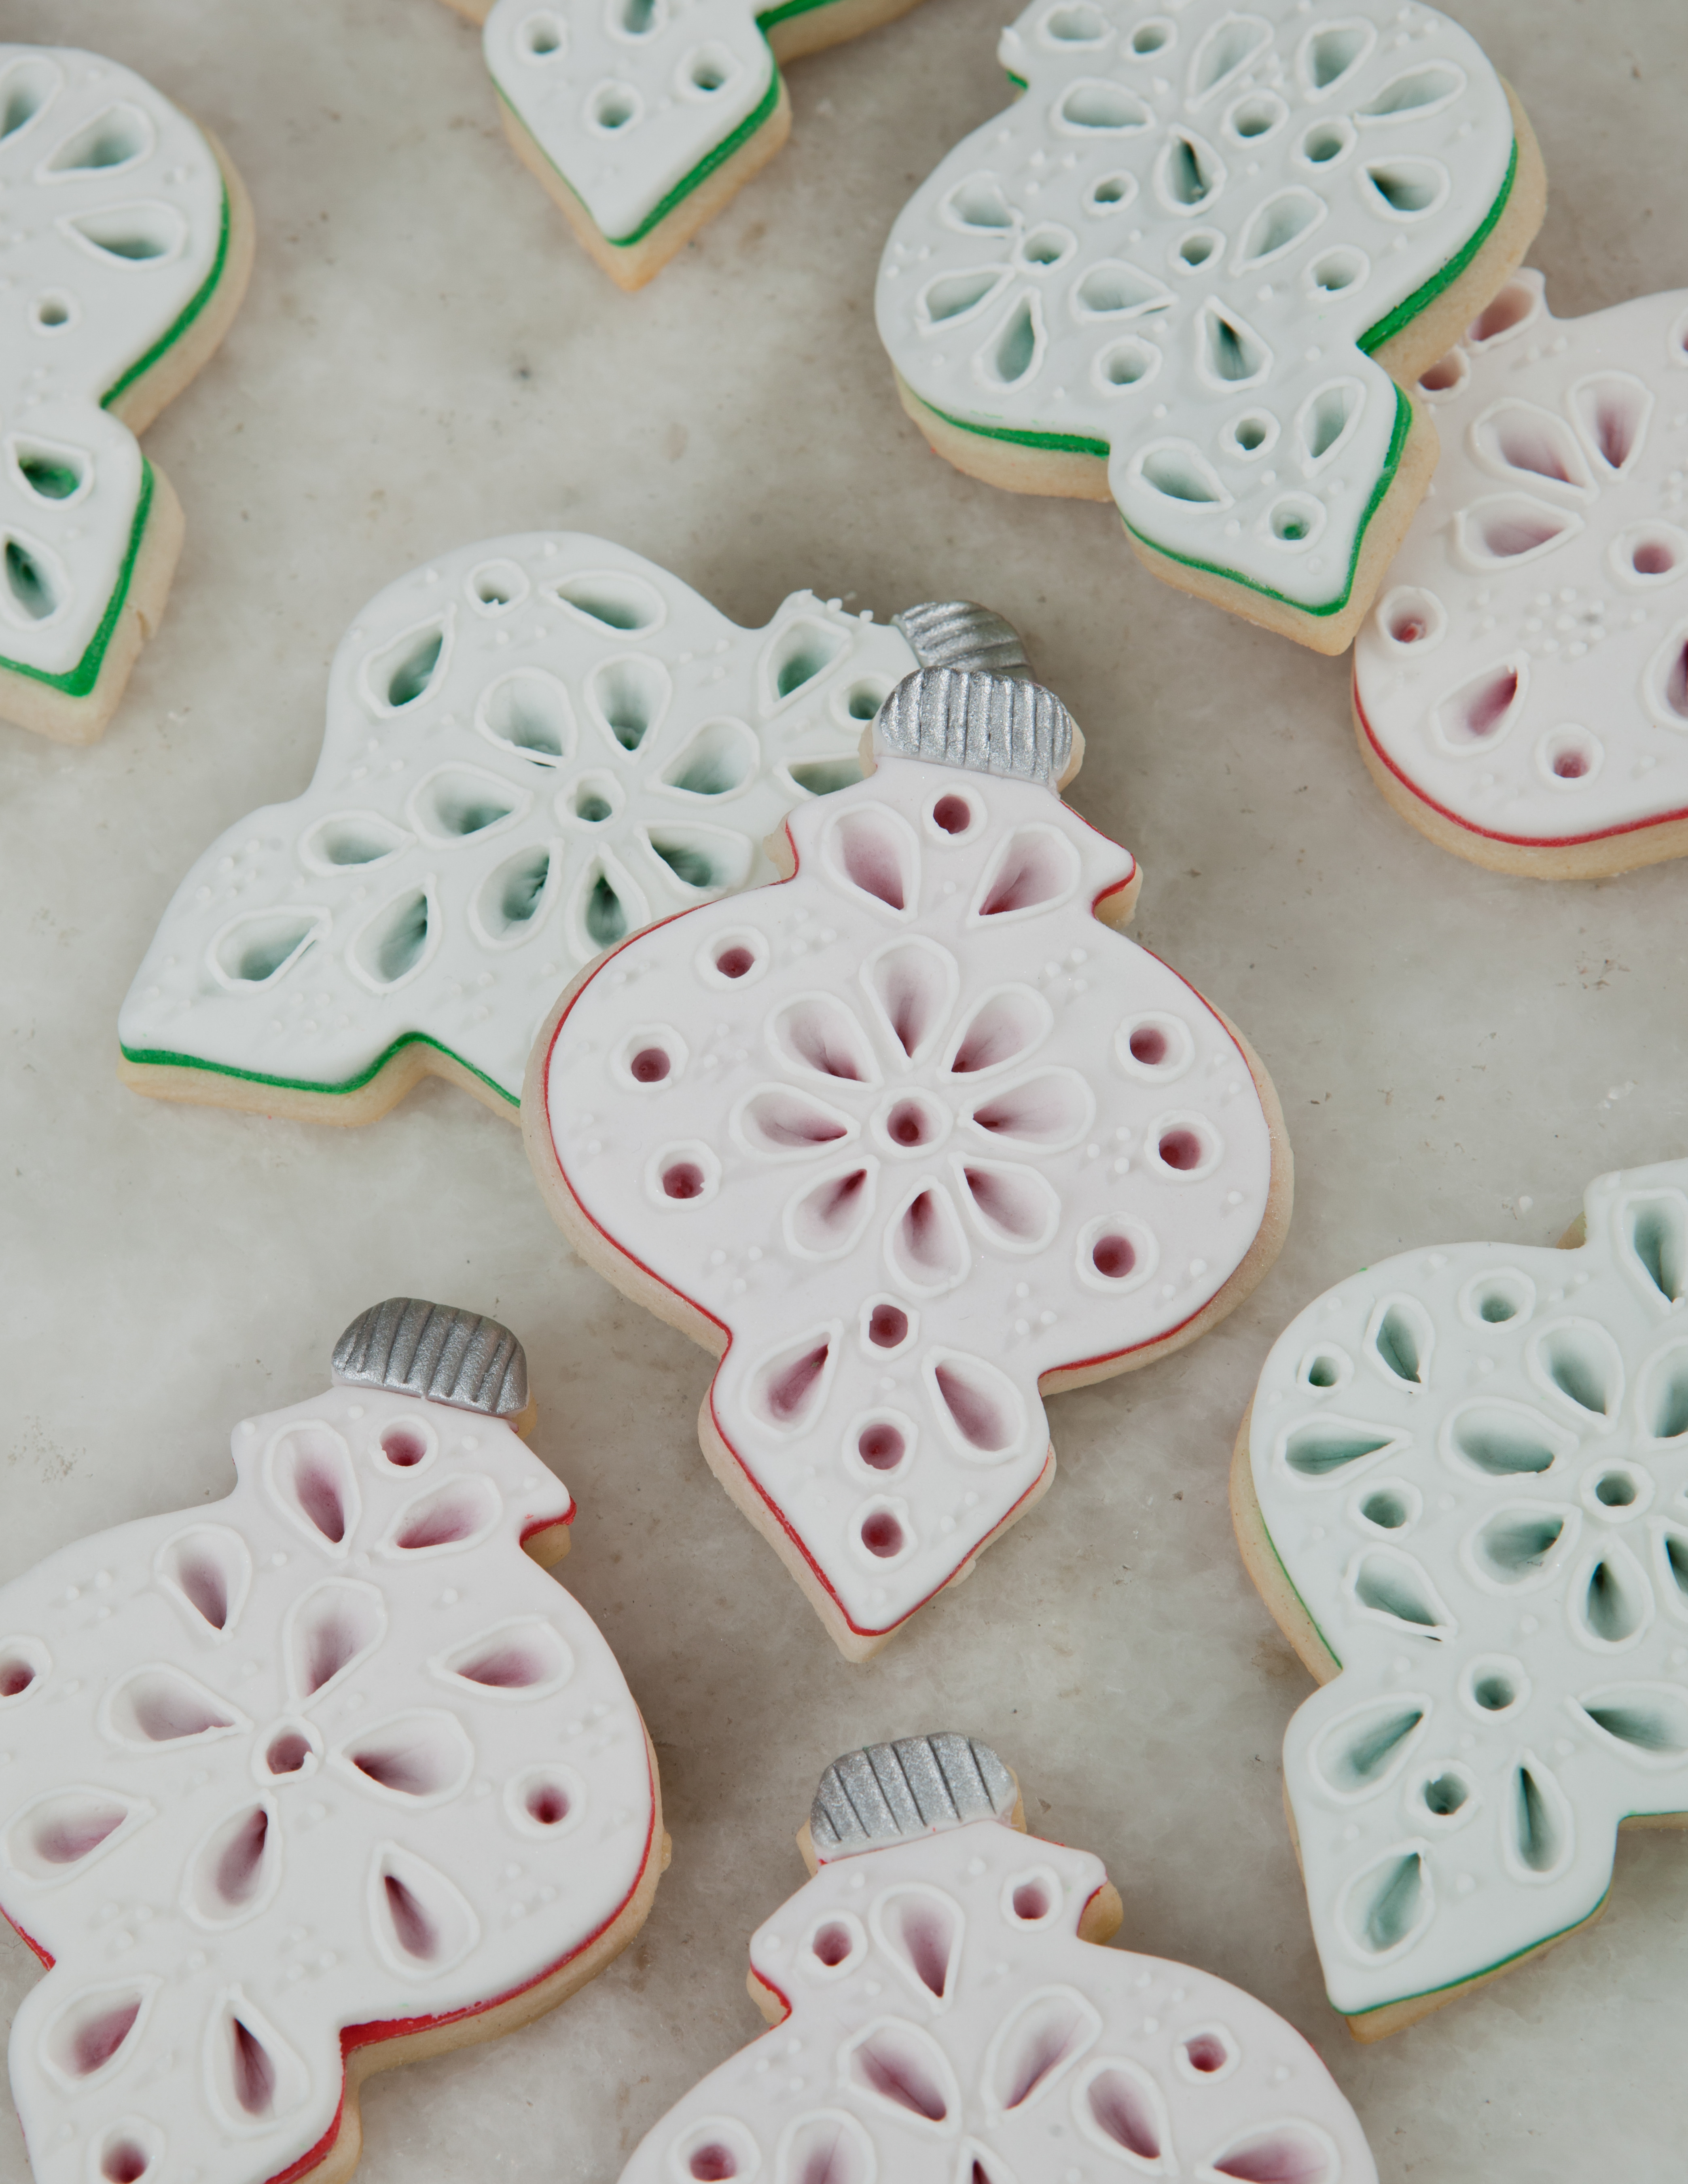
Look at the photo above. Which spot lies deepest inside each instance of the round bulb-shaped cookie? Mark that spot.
(643, 118)
(947, 2014)
(1462, 1491)
(320, 1777)
(534, 746)
(127, 244)
(1521, 690)
(1197, 269)
(909, 1141)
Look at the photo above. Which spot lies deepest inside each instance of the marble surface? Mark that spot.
(425, 357)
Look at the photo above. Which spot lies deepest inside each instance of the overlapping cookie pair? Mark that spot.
(1253, 276)
(913, 1138)
(369, 1818)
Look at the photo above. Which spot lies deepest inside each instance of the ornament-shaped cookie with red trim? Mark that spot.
(910, 1140)
(1521, 691)
(945, 2015)
(326, 1776)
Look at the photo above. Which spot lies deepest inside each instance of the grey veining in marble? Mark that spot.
(425, 358)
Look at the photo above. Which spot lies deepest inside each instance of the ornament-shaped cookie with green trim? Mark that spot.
(643, 118)
(124, 255)
(1196, 270)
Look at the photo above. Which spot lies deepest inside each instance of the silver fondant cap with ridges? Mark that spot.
(987, 723)
(436, 1352)
(890, 1792)
(956, 633)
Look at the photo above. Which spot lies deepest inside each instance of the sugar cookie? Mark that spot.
(319, 1779)
(907, 1141)
(1521, 688)
(1462, 1491)
(643, 118)
(127, 247)
(949, 2017)
(534, 746)
(1196, 270)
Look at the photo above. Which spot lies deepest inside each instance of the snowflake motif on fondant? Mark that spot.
(535, 746)
(1472, 1466)
(1524, 675)
(911, 1137)
(943, 2014)
(630, 110)
(1177, 253)
(329, 1761)
(120, 229)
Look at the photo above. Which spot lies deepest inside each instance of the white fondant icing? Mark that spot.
(114, 219)
(1473, 1463)
(937, 2035)
(899, 1158)
(627, 97)
(1171, 250)
(1523, 668)
(586, 745)
(272, 1774)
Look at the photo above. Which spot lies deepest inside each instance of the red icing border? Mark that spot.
(353, 2036)
(1492, 834)
(1071, 1365)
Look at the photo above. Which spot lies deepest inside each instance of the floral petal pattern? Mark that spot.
(1493, 1547)
(1521, 675)
(942, 2022)
(534, 746)
(912, 1154)
(1178, 250)
(271, 1777)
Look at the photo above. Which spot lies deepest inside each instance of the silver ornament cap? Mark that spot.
(437, 1353)
(887, 1793)
(956, 633)
(987, 723)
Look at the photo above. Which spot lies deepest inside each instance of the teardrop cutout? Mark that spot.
(920, 1929)
(914, 986)
(1362, 1754)
(308, 1471)
(825, 1221)
(1039, 2043)
(905, 2069)
(330, 1630)
(1657, 1231)
(423, 1924)
(925, 1243)
(788, 1390)
(1126, 2106)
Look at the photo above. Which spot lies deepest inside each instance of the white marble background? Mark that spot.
(425, 357)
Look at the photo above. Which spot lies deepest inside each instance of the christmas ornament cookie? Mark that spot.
(1462, 1491)
(127, 246)
(535, 746)
(1197, 269)
(642, 119)
(909, 1141)
(947, 2016)
(319, 1779)
(1521, 690)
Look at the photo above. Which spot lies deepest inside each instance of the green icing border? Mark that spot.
(1465, 1978)
(1398, 442)
(706, 166)
(148, 1057)
(1421, 298)
(76, 681)
(184, 318)
(1372, 340)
